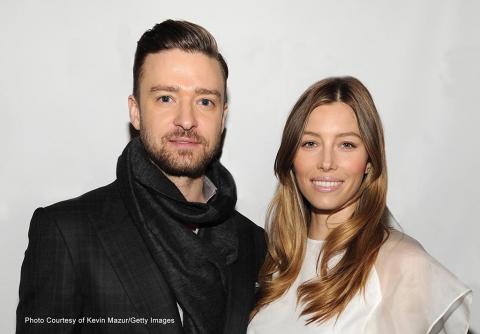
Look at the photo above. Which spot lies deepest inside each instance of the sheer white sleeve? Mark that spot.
(418, 294)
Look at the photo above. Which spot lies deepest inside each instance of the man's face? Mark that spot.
(181, 110)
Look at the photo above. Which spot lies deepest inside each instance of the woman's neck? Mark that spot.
(324, 221)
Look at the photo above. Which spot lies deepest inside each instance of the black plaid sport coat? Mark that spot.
(87, 270)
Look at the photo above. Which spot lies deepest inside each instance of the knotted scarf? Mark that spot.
(194, 265)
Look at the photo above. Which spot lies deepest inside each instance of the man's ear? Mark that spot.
(134, 112)
(224, 116)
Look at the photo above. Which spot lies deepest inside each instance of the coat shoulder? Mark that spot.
(87, 201)
(76, 214)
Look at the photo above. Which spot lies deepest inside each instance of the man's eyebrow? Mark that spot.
(175, 89)
(208, 92)
(344, 134)
(158, 88)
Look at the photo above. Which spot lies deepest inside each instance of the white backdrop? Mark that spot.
(66, 73)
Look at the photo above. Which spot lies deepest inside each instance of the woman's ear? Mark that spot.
(368, 168)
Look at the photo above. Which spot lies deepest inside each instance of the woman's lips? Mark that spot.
(326, 185)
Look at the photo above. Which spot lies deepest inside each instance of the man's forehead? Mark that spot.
(183, 70)
(176, 57)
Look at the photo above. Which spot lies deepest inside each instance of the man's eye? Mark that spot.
(165, 98)
(205, 102)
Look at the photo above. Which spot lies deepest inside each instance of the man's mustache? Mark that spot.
(181, 133)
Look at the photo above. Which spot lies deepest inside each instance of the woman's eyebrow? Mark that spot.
(343, 134)
(347, 134)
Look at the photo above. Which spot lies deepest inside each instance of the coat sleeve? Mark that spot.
(260, 248)
(48, 299)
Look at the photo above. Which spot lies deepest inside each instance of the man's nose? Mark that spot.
(185, 117)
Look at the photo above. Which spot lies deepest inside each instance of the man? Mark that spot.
(161, 249)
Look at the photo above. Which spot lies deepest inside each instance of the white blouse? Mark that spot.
(407, 292)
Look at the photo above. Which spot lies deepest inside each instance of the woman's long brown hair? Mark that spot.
(357, 240)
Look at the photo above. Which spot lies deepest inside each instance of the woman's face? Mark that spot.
(331, 161)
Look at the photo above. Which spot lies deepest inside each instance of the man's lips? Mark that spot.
(182, 141)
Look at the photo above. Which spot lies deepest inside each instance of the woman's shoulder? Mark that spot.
(401, 249)
(401, 256)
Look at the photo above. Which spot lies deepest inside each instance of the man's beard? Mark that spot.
(180, 162)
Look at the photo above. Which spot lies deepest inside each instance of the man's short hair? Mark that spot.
(172, 34)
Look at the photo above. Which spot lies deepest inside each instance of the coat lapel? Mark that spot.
(134, 266)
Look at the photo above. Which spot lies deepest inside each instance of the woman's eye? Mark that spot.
(348, 145)
(308, 144)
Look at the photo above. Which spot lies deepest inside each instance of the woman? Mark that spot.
(335, 264)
